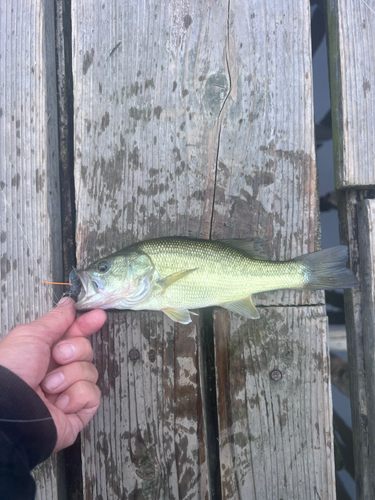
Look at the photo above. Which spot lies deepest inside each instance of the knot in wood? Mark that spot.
(145, 469)
(151, 355)
(215, 93)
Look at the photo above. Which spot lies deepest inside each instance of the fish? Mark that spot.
(179, 274)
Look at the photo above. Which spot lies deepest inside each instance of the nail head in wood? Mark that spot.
(133, 354)
(276, 375)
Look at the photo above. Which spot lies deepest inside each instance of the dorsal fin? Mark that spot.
(251, 247)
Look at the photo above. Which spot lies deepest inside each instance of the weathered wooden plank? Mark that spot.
(350, 42)
(351, 49)
(143, 169)
(153, 444)
(266, 173)
(274, 405)
(151, 141)
(29, 178)
(366, 243)
(274, 443)
(348, 202)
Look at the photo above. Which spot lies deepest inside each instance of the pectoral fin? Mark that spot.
(245, 307)
(178, 315)
(172, 278)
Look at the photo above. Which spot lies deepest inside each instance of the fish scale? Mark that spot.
(222, 273)
(175, 274)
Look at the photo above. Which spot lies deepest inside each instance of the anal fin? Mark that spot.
(245, 307)
(178, 315)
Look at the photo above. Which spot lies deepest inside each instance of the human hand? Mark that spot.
(52, 355)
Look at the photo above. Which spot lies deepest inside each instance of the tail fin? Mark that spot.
(326, 269)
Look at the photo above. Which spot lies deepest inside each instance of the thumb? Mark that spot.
(52, 326)
(26, 349)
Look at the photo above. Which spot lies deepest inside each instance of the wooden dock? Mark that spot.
(351, 43)
(123, 120)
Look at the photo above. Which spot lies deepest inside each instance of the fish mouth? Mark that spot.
(75, 283)
(90, 295)
(82, 296)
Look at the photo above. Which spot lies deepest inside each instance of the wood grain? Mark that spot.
(143, 169)
(195, 118)
(351, 60)
(348, 202)
(271, 435)
(366, 243)
(351, 48)
(275, 435)
(29, 176)
(266, 172)
(147, 437)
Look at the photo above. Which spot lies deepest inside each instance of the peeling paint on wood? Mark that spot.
(135, 179)
(266, 187)
(146, 436)
(205, 130)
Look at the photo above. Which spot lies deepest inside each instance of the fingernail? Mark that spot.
(62, 402)
(53, 380)
(61, 301)
(67, 351)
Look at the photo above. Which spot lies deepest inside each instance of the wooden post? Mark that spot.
(29, 174)
(195, 118)
(366, 237)
(351, 44)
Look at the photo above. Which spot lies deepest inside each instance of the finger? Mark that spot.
(81, 418)
(74, 349)
(87, 324)
(52, 325)
(82, 395)
(77, 421)
(67, 376)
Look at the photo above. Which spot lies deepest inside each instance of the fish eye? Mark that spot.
(103, 266)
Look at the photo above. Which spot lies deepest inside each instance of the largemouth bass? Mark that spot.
(177, 274)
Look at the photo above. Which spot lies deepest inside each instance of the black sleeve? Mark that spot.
(27, 436)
